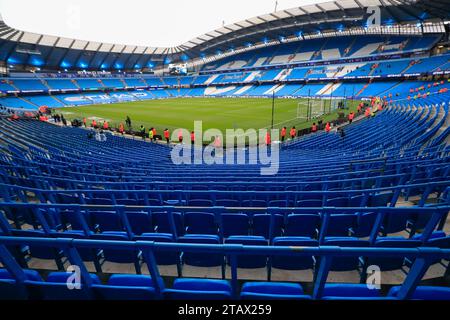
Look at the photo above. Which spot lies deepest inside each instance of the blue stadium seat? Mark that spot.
(261, 225)
(302, 225)
(272, 291)
(349, 292)
(425, 293)
(200, 223)
(249, 261)
(56, 288)
(290, 262)
(235, 225)
(126, 287)
(10, 290)
(199, 289)
(200, 259)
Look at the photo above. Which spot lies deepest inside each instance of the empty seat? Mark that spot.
(200, 223)
(106, 221)
(235, 225)
(272, 291)
(339, 225)
(302, 225)
(119, 255)
(345, 263)
(162, 224)
(364, 224)
(200, 203)
(56, 287)
(11, 290)
(199, 289)
(126, 287)
(162, 257)
(392, 263)
(349, 292)
(425, 293)
(292, 262)
(261, 225)
(140, 222)
(249, 261)
(201, 259)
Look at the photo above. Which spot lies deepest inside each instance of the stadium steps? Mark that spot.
(443, 127)
(407, 68)
(75, 83)
(329, 88)
(349, 48)
(362, 90)
(57, 99)
(381, 94)
(243, 90)
(211, 79)
(44, 82)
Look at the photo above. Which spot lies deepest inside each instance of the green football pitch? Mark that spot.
(219, 113)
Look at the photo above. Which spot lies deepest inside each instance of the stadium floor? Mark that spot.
(219, 113)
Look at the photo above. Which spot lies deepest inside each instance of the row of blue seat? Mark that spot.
(16, 280)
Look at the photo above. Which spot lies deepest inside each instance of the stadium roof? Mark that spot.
(316, 18)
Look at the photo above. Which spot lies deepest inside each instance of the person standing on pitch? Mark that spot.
(180, 136)
(154, 134)
(143, 132)
(150, 134)
(128, 122)
(167, 135)
(268, 139)
(328, 127)
(283, 134)
(293, 132)
(192, 137)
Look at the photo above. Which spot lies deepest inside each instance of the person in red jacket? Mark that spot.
(94, 124)
(105, 125)
(283, 134)
(367, 113)
(180, 136)
(121, 128)
(293, 132)
(268, 139)
(351, 116)
(154, 134)
(314, 128)
(167, 135)
(192, 137)
(328, 127)
(84, 122)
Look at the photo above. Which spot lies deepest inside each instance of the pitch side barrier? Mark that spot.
(9, 193)
(437, 216)
(423, 258)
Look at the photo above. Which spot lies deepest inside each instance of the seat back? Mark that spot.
(292, 262)
(249, 261)
(302, 225)
(235, 225)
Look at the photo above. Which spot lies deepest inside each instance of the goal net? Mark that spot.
(310, 109)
